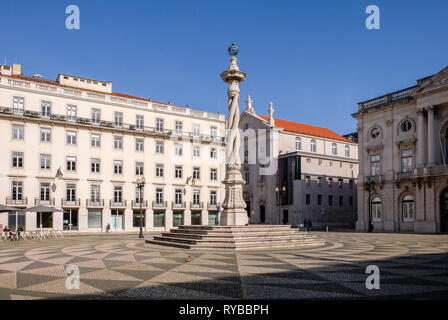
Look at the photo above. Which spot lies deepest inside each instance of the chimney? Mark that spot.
(271, 114)
(16, 69)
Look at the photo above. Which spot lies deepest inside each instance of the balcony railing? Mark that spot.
(136, 204)
(388, 98)
(39, 201)
(212, 206)
(377, 179)
(99, 203)
(160, 205)
(70, 203)
(17, 202)
(117, 204)
(178, 205)
(196, 205)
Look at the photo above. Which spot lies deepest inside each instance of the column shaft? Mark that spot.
(431, 138)
(420, 139)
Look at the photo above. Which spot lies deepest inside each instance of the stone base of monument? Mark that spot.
(250, 237)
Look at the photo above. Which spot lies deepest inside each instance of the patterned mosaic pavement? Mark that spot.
(123, 267)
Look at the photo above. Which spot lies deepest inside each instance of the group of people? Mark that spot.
(307, 225)
(6, 229)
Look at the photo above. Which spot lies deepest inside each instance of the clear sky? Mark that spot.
(314, 59)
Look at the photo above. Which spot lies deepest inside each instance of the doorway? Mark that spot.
(262, 214)
(70, 220)
(285, 216)
(116, 220)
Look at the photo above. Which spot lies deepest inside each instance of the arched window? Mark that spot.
(313, 145)
(406, 126)
(298, 143)
(376, 209)
(334, 149)
(347, 151)
(408, 208)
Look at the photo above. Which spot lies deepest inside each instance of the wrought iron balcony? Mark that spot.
(136, 203)
(196, 205)
(213, 206)
(160, 205)
(117, 204)
(17, 202)
(71, 203)
(178, 205)
(95, 203)
(39, 201)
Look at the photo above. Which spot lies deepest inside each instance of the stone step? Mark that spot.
(232, 240)
(201, 235)
(233, 247)
(235, 228)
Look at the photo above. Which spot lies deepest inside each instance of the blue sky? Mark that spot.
(314, 59)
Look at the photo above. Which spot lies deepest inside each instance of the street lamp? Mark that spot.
(277, 192)
(369, 186)
(140, 184)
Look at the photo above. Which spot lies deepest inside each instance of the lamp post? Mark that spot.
(369, 186)
(277, 192)
(140, 185)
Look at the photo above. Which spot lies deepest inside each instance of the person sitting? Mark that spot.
(19, 228)
(6, 229)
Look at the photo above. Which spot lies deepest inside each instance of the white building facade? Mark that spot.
(403, 144)
(100, 142)
(312, 172)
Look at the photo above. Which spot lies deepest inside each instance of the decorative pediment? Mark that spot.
(436, 81)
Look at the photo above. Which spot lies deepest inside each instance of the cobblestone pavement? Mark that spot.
(123, 267)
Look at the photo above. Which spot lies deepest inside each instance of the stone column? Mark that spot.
(431, 138)
(234, 212)
(420, 138)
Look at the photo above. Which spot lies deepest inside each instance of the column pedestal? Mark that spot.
(234, 212)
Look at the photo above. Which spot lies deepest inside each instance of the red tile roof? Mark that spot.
(307, 129)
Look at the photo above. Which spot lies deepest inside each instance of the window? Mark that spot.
(247, 177)
(136, 218)
(45, 191)
(178, 172)
(196, 173)
(350, 183)
(178, 149)
(376, 209)
(214, 174)
(71, 163)
(375, 133)
(118, 116)
(96, 116)
(341, 201)
(408, 208)
(159, 170)
(71, 137)
(45, 161)
(340, 182)
(71, 112)
(319, 180)
(298, 143)
(139, 168)
(46, 109)
(330, 182)
(406, 160)
(18, 132)
(159, 125)
(213, 132)
(308, 199)
(137, 195)
(139, 122)
(213, 153)
(350, 201)
(70, 191)
(95, 140)
(406, 126)
(159, 147)
(17, 159)
(178, 196)
(374, 165)
(159, 196)
(196, 130)
(118, 194)
(95, 165)
(45, 134)
(347, 151)
(319, 199)
(18, 105)
(139, 145)
(196, 197)
(330, 200)
(313, 146)
(118, 167)
(118, 142)
(307, 180)
(95, 192)
(196, 151)
(17, 190)
(178, 127)
(334, 149)
(213, 198)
